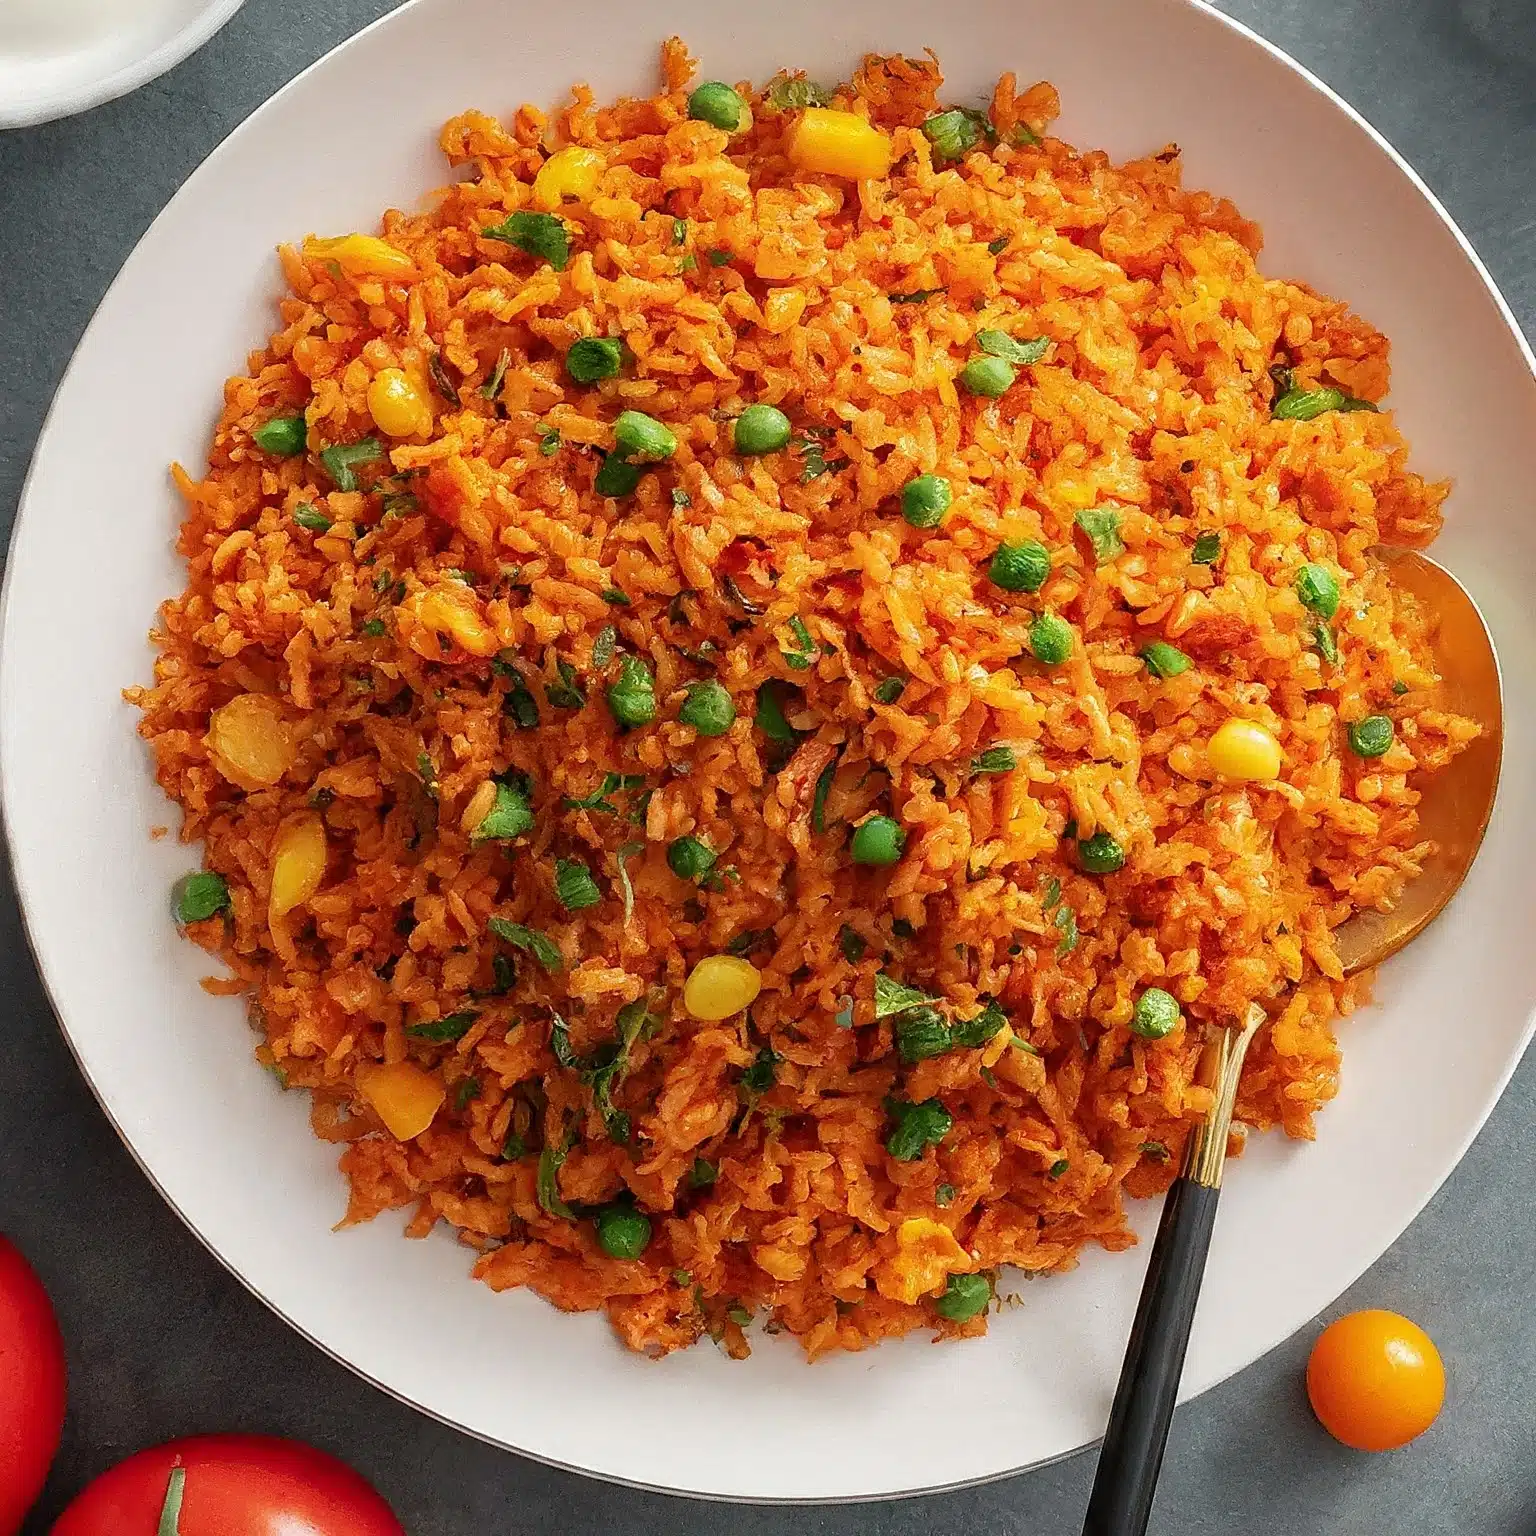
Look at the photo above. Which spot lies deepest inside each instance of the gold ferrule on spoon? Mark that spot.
(1221, 1069)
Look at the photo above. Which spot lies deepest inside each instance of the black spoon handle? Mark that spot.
(1132, 1453)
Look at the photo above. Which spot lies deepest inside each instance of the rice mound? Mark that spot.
(458, 622)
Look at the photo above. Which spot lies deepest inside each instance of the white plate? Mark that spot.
(92, 556)
(58, 57)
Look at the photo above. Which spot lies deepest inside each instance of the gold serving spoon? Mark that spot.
(1454, 814)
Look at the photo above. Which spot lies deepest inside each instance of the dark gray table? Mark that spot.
(163, 1342)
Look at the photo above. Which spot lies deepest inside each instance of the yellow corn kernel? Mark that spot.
(362, 256)
(1243, 749)
(572, 172)
(782, 310)
(250, 741)
(298, 863)
(927, 1254)
(720, 985)
(832, 143)
(403, 1096)
(400, 407)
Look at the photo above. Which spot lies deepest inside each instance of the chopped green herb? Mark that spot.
(801, 658)
(891, 996)
(1164, 660)
(625, 852)
(1058, 1168)
(690, 859)
(427, 770)
(593, 358)
(615, 597)
(514, 1147)
(944, 1195)
(1156, 1150)
(1065, 922)
(917, 295)
(548, 1182)
(759, 1077)
(510, 816)
(921, 1033)
(1327, 646)
(616, 477)
(680, 497)
(598, 800)
(769, 718)
(283, 436)
(567, 693)
(1399, 687)
(311, 518)
(721, 258)
(632, 695)
(466, 1090)
(965, 1297)
(954, 133)
(549, 442)
(819, 798)
(1207, 550)
(539, 945)
(1001, 344)
(918, 1126)
(891, 689)
(440, 379)
(340, 458)
(703, 1174)
(748, 940)
(679, 231)
(452, 1026)
(373, 629)
(998, 246)
(497, 376)
(854, 947)
(198, 896)
(1102, 525)
(1304, 404)
(995, 760)
(574, 886)
(539, 234)
(603, 645)
(974, 1032)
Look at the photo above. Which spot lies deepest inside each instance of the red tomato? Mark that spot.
(31, 1387)
(235, 1485)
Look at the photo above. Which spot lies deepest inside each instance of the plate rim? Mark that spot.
(228, 8)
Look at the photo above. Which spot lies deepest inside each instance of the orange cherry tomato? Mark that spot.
(1376, 1380)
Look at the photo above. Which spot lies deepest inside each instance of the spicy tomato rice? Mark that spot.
(730, 879)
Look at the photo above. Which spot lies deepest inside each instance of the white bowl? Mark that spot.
(92, 556)
(59, 57)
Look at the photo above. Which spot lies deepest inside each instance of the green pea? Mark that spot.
(761, 429)
(925, 500)
(1317, 588)
(638, 436)
(593, 358)
(198, 896)
(1370, 737)
(1164, 660)
(708, 708)
(632, 694)
(717, 104)
(622, 1231)
(688, 858)
(285, 436)
(1020, 567)
(988, 377)
(965, 1297)
(1157, 1014)
(878, 841)
(616, 477)
(1050, 639)
(1100, 854)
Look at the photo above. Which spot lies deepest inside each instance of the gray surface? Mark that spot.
(163, 1342)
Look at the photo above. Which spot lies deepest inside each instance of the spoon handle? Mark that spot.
(1132, 1453)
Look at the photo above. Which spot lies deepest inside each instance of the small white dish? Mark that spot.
(59, 57)
(93, 555)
